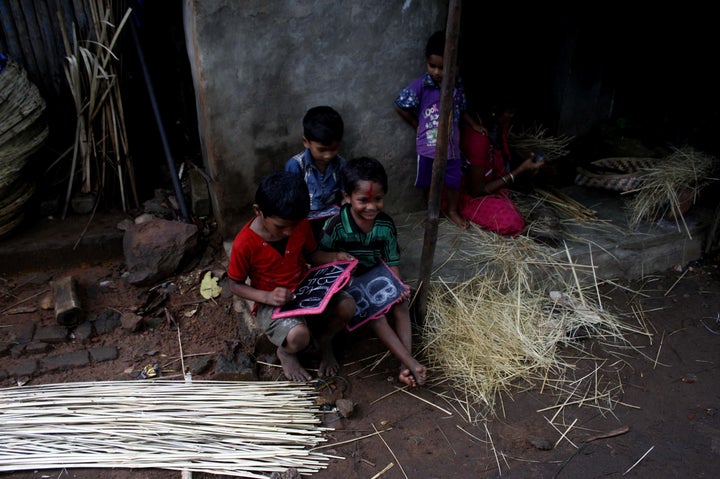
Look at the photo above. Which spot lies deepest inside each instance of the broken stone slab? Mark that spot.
(132, 322)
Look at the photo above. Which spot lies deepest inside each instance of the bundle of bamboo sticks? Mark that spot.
(244, 429)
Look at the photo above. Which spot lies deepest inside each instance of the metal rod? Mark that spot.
(158, 119)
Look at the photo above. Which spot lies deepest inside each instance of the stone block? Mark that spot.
(61, 362)
(238, 368)
(25, 368)
(199, 365)
(107, 321)
(52, 334)
(22, 332)
(103, 353)
(83, 332)
(37, 347)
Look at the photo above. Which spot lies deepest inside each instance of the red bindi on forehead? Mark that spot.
(370, 190)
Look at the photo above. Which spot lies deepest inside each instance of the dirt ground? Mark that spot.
(660, 420)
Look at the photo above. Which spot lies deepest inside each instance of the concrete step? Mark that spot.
(606, 243)
(56, 243)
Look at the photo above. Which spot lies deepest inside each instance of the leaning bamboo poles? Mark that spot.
(100, 133)
(244, 429)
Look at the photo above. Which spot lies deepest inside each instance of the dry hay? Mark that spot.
(571, 215)
(564, 204)
(536, 138)
(244, 429)
(671, 186)
(501, 331)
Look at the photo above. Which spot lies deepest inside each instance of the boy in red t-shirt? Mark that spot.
(273, 250)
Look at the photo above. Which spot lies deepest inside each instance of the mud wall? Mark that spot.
(258, 66)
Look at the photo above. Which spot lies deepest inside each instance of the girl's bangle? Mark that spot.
(511, 177)
(504, 180)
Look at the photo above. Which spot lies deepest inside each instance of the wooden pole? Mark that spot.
(68, 310)
(452, 33)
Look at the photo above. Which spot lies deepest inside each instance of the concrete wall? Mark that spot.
(258, 65)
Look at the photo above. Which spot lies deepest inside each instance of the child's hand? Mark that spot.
(278, 296)
(343, 256)
(530, 164)
(405, 296)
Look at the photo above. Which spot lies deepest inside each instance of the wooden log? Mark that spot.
(68, 310)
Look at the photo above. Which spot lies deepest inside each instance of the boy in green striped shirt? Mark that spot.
(363, 230)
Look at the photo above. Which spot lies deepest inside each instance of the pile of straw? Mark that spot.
(244, 429)
(670, 186)
(500, 331)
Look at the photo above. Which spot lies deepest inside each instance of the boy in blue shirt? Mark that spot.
(319, 164)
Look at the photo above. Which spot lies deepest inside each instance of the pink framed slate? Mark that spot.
(313, 293)
(375, 292)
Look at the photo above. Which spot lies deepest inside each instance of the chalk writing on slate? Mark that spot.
(314, 291)
(375, 292)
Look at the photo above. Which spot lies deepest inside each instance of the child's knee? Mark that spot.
(347, 308)
(298, 338)
(344, 305)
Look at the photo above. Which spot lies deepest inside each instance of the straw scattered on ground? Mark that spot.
(511, 327)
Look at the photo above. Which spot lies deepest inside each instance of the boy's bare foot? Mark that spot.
(406, 378)
(457, 219)
(414, 376)
(292, 368)
(329, 366)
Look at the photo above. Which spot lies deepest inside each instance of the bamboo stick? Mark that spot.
(638, 461)
(233, 428)
(392, 453)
